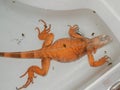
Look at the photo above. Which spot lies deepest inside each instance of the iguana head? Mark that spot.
(99, 41)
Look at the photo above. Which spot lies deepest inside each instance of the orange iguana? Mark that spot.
(62, 50)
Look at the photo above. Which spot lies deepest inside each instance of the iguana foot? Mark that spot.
(42, 35)
(30, 73)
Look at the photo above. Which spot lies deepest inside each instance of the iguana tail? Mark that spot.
(26, 54)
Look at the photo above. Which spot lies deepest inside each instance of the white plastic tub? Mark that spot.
(19, 17)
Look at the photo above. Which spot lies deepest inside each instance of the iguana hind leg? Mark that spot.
(35, 69)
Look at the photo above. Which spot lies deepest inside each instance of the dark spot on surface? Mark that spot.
(96, 24)
(53, 68)
(64, 45)
(110, 63)
(13, 1)
(105, 52)
(20, 39)
(93, 34)
(23, 34)
(94, 11)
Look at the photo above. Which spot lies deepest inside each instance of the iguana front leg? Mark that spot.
(94, 63)
(73, 32)
(45, 34)
(48, 38)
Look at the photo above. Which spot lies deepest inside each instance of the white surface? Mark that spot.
(107, 80)
(52, 4)
(115, 6)
(17, 18)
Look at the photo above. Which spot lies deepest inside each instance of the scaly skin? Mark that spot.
(62, 50)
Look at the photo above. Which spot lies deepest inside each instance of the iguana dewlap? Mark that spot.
(62, 50)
